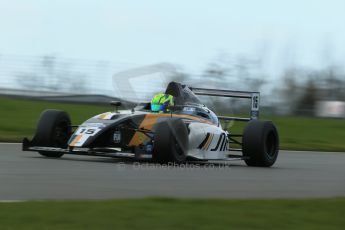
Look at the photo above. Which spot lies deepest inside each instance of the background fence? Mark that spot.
(295, 91)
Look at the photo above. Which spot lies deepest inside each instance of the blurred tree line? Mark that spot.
(302, 89)
(52, 74)
(295, 92)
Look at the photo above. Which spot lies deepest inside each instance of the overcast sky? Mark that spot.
(185, 32)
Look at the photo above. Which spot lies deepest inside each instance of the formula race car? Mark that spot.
(185, 131)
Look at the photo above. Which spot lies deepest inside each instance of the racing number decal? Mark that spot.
(82, 134)
(255, 102)
(87, 131)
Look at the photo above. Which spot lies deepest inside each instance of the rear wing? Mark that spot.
(253, 96)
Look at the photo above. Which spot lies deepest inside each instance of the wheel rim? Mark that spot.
(271, 145)
(61, 134)
(179, 153)
(178, 149)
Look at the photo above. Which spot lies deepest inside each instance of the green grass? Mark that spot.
(301, 133)
(306, 133)
(162, 213)
(18, 119)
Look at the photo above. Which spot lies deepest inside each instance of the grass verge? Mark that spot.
(18, 119)
(305, 133)
(163, 213)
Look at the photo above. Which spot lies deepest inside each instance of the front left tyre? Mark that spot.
(53, 130)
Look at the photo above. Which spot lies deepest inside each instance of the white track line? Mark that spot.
(11, 201)
(9, 143)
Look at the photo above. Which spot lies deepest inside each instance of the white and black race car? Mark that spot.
(189, 131)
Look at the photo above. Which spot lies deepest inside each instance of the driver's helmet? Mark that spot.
(160, 102)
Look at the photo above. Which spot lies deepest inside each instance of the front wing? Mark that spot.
(106, 152)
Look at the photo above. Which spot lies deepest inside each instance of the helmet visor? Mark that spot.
(155, 107)
(158, 107)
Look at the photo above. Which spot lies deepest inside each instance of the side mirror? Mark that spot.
(116, 104)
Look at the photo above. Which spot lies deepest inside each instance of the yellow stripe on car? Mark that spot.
(151, 119)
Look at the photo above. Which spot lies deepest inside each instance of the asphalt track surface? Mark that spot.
(27, 176)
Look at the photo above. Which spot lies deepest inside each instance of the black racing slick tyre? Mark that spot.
(260, 143)
(53, 130)
(170, 141)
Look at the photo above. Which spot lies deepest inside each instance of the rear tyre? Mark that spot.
(260, 143)
(53, 130)
(170, 141)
